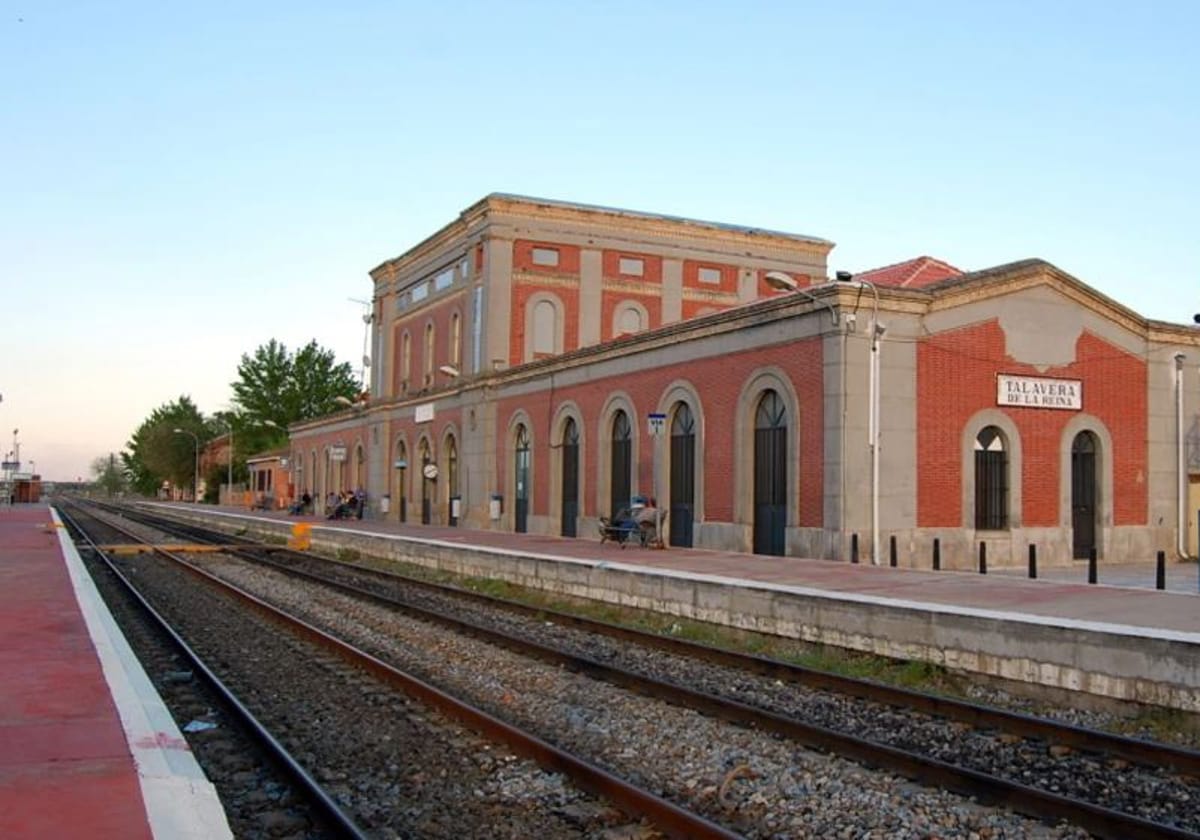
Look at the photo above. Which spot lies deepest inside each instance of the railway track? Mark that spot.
(463, 786)
(1052, 771)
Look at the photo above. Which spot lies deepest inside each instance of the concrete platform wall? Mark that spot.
(1115, 661)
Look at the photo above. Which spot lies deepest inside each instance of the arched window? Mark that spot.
(1084, 494)
(620, 488)
(683, 474)
(521, 478)
(570, 477)
(429, 354)
(544, 328)
(401, 492)
(770, 475)
(628, 320)
(405, 360)
(991, 480)
(427, 485)
(455, 339)
(451, 468)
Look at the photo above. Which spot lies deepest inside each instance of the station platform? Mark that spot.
(87, 748)
(1119, 639)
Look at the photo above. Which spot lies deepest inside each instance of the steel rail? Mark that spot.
(1102, 822)
(337, 817)
(1150, 753)
(673, 820)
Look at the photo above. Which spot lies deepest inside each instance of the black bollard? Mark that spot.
(892, 551)
(1032, 561)
(1160, 572)
(854, 548)
(937, 554)
(982, 558)
(1092, 564)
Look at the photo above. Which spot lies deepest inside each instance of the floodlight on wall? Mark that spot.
(787, 283)
(844, 276)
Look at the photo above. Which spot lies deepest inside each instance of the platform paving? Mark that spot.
(1124, 596)
(86, 747)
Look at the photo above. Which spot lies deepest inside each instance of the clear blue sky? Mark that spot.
(181, 183)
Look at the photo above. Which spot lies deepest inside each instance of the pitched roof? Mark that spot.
(913, 274)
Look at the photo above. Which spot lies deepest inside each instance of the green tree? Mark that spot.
(287, 388)
(109, 475)
(157, 453)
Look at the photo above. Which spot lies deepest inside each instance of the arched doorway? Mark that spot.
(1083, 494)
(991, 480)
(400, 493)
(621, 464)
(683, 475)
(428, 474)
(770, 475)
(452, 498)
(570, 478)
(521, 477)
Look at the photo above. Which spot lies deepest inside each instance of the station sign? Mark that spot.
(337, 453)
(1039, 392)
(658, 423)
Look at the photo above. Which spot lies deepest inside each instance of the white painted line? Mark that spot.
(180, 801)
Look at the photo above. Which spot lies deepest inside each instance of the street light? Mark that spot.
(196, 474)
(787, 283)
(229, 480)
(873, 389)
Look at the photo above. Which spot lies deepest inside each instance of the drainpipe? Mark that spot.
(1181, 472)
(877, 331)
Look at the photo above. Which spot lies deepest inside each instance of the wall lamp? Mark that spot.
(786, 283)
(451, 371)
(357, 405)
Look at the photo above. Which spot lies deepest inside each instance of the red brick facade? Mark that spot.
(956, 378)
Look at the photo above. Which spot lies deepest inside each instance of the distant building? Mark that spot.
(538, 364)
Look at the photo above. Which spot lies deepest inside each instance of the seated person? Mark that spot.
(300, 505)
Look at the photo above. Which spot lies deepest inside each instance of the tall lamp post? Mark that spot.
(196, 474)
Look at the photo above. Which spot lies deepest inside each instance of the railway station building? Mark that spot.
(537, 364)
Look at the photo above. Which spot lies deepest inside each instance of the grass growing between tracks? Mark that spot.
(920, 676)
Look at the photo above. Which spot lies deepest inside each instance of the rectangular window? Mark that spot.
(710, 275)
(545, 256)
(631, 265)
(443, 280)
(420, 292)
(464, 269)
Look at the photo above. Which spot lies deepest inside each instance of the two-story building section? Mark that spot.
(516, 279)
(540, 364)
